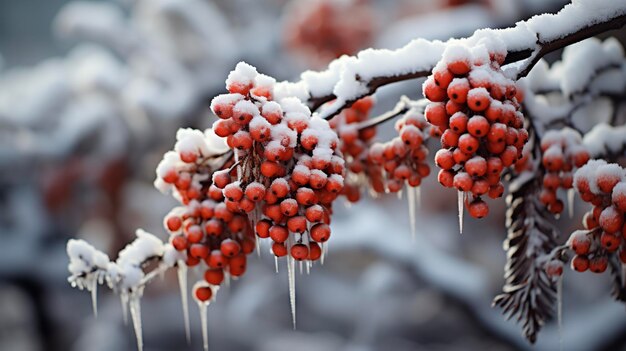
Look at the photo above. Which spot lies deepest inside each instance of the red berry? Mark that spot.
(299, 252)
(216, 259)
(214, 276)
(598, 264)
(203, 293)
(478, 208)
(580, 263)
(279, 233)
(230, 247)
(279, 249)
(179, 242)
(320, 232)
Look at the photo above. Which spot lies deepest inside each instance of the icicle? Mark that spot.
(410, 195)
(182, 283)
(461, 208)
(258, 245)
(308, 267)
(292, 288)
(300, 267)
(227, 279)
(124, 298)
(94, 296)
(559, 297)
(135, 313)
(570, 202)
(203, 306)
(276, 263)
(418, 197)
(400, 195)
(324, 250)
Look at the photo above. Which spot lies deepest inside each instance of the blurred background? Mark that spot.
(91, 94)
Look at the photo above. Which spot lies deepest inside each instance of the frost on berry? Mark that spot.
(484, 131)
(562, 154)
(603, 185)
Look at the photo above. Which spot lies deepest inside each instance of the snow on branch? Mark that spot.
(566, 95)
(350, 78)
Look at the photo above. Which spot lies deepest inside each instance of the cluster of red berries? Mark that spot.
(476, 108)
(288, 169)
(562, 153)
(604, 186)
(324, 30)
(204, 229)
(354, 144)
(403, 158)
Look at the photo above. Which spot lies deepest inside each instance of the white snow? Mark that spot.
(603, 139)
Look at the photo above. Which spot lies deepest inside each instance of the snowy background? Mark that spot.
(91, 94)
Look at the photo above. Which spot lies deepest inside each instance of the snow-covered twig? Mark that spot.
(350, 78)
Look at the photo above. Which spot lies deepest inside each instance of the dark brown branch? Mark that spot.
(546, 47)
(531, 55)
(403, 106)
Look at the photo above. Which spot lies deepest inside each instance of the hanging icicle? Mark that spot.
(135, 313)
(182, 283)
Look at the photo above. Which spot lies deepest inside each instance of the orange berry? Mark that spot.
(432, 91)
(458, 122)
(478, 99)
(435, 114)
(442, 77)
(459, 67)
(478, 126)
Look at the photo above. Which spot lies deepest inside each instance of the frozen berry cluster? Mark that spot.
(476, 109)
(403, 158)
(604, 186)
(354, 143)
(203, 227)
(288, 168)
(562, 153)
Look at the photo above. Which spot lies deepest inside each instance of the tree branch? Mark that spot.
(530, 50)
(404, 105)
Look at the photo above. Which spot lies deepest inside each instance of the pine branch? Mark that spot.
(528, 293)
(617, 278)
(530, 52)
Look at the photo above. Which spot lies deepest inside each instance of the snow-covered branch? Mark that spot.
(350, 78)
